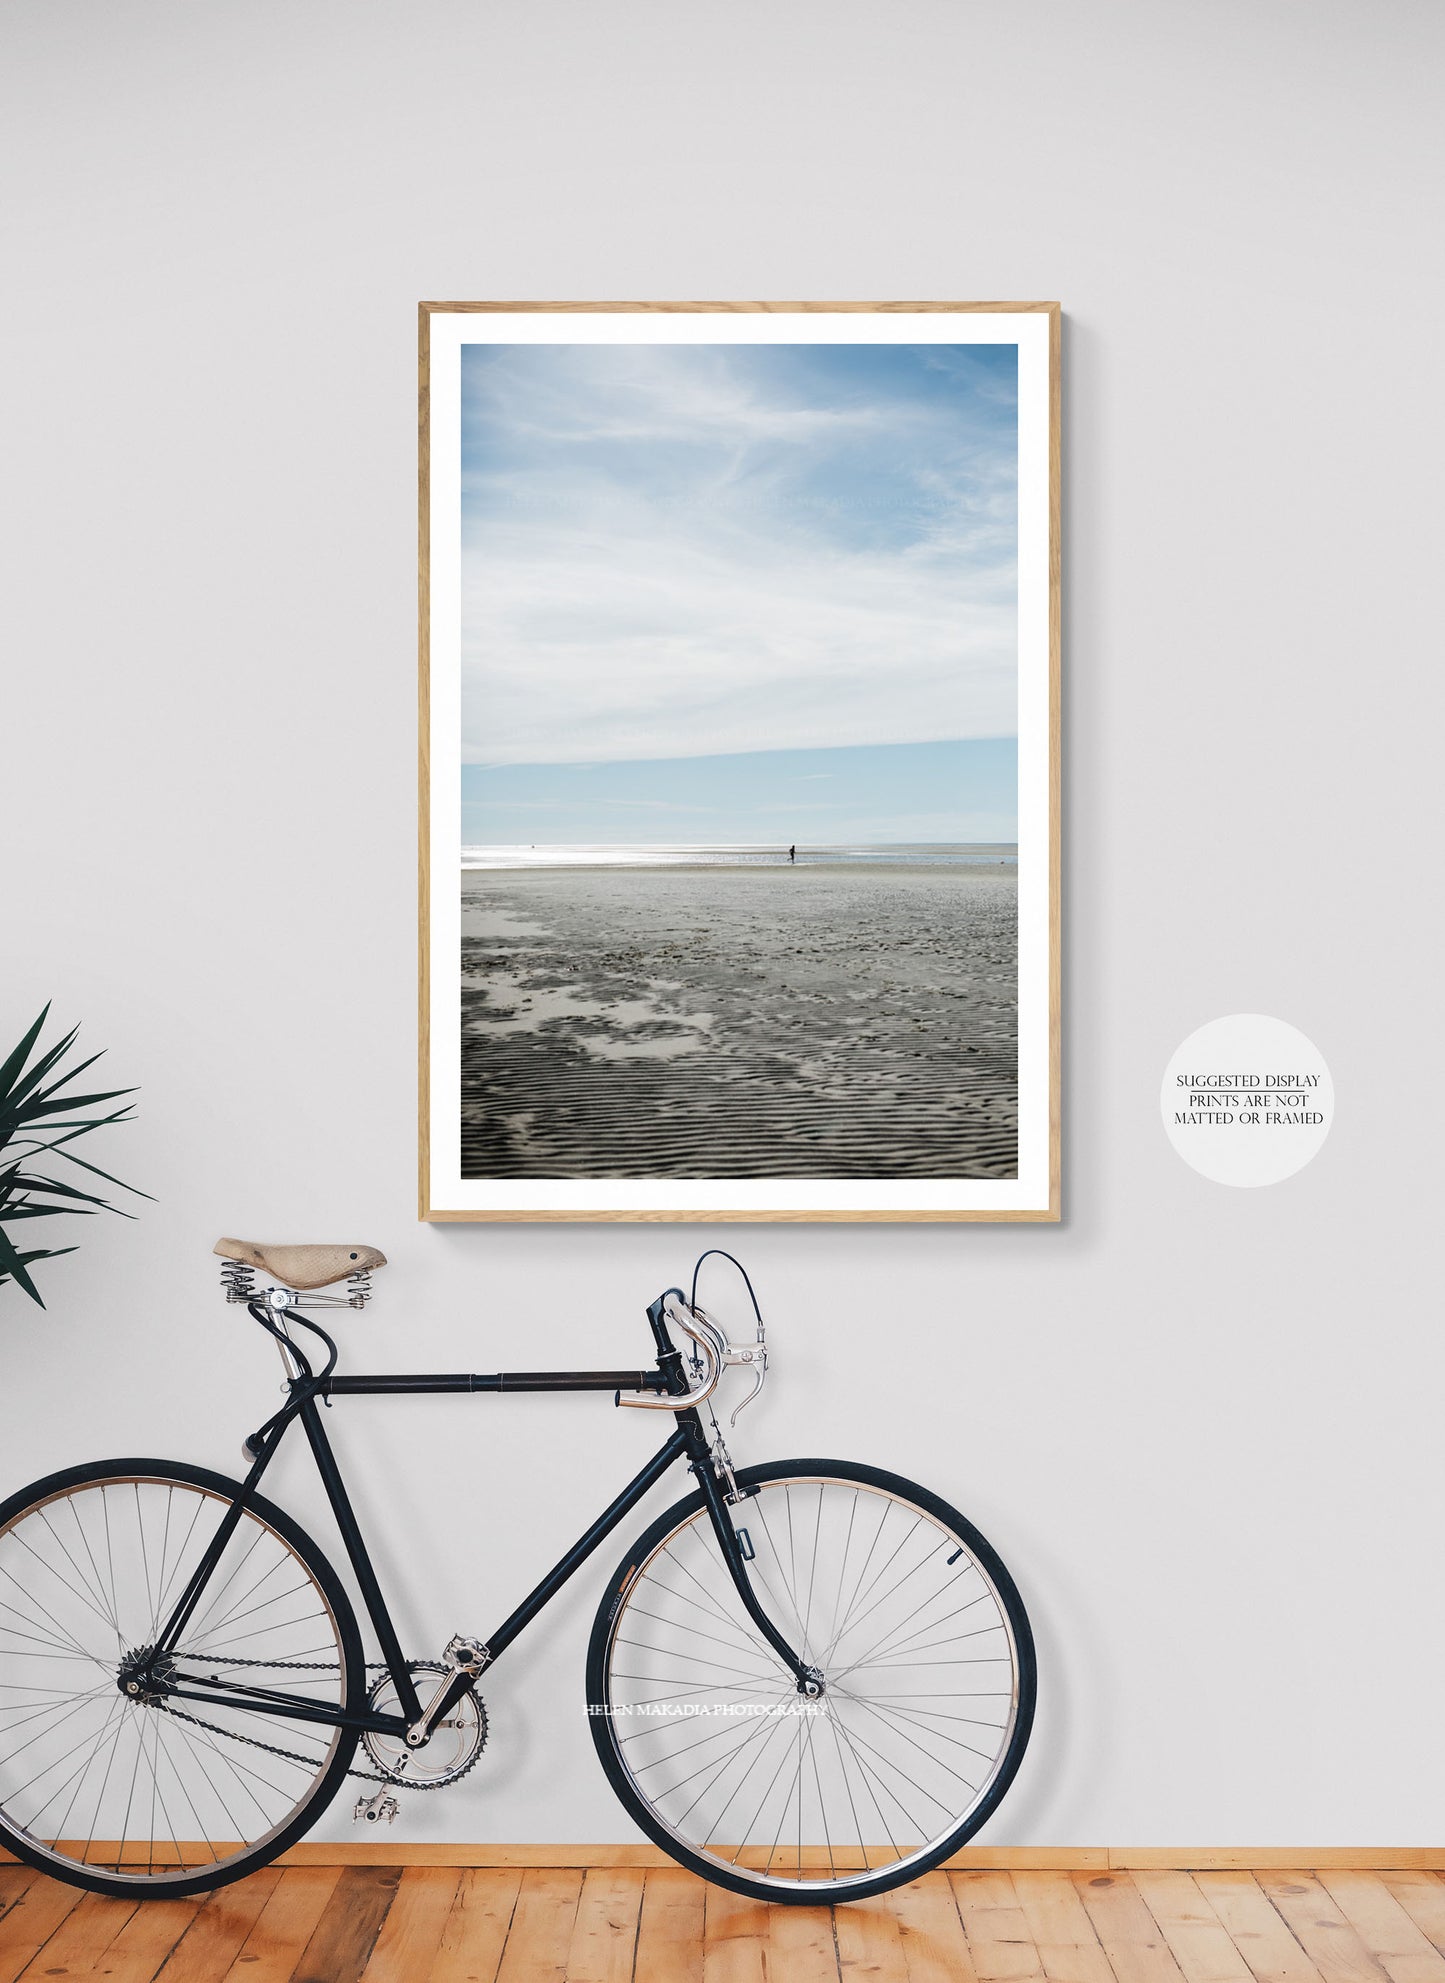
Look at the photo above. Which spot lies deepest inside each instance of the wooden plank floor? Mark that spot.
(433, 1924)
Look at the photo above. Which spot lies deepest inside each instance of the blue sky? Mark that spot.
(870, 792)
(716, 552)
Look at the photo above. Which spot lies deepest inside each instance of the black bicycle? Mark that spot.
(807, 1681)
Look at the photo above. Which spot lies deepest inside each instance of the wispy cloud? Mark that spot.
(670, 551)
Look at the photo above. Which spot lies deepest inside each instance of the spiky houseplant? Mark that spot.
(41, 1116)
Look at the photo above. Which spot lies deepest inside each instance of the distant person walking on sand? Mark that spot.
(792, 853)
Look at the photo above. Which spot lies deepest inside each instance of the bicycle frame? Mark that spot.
(687, 1441)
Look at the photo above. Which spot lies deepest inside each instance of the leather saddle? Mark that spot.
(303, 1267)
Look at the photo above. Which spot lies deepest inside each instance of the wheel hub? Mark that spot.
(145, 1676)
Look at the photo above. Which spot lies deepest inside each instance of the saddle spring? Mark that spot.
(238, 1280)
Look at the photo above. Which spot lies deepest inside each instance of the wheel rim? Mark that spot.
(158, 1790)
(922, 1687)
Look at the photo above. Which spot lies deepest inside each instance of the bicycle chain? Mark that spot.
(290, 1755)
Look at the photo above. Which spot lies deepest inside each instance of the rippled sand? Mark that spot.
(740, 1022)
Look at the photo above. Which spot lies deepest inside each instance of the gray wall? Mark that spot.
(1201, 1423)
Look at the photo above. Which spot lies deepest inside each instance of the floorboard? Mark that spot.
(802, 1947)
(1402, 1951)
(411, 1934)
(650, 1924)
(284, 1926)
(1320, 1929)
(670, 1929)
(82, 1938)
(1000, 1946)
(540, 1935)
(351, 1921)
(35, 1909)
(734, 1939)
(1257, 1931)
(219, 1930)
(1422, 1897)
(935, 1947)
(1197, 1939)
(470, 1950)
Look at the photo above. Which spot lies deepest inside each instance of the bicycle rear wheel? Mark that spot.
(928, 1697)
(163, 1795)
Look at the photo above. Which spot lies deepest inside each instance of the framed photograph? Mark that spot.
(740, 761)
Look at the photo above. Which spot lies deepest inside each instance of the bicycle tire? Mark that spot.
(184, 1878)
(866, 1879)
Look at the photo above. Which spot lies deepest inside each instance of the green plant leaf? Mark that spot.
(96, 1171)
(31, 1111)
(23, 1181)
(30, 1081)
(13, 1264)
(70, 1074)
(37, 1142)
(21, 1054)
(14, 1212)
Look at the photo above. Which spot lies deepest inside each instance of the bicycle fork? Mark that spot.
(809, 1679)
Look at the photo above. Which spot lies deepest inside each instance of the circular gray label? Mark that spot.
(1247, 1100)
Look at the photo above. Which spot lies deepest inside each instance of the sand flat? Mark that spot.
(740, 1022)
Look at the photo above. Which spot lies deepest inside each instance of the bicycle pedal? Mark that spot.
(371, 1810)
(466, 1655)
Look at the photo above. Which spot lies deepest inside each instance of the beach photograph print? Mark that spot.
(735, 822)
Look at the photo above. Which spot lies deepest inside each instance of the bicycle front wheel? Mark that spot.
(928, 1685)
(163, 1794)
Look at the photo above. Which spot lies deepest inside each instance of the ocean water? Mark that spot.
(577, 854)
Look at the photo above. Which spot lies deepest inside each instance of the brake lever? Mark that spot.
(752, 1356)
(759, 1373)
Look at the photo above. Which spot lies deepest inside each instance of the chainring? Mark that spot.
(455, 1744)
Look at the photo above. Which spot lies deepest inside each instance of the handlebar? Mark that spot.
(710, 1340)
(717, 1353)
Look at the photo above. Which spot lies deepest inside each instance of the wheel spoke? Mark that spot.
(234, 1612)
(708, 1599)
(751, 1825)
(906, 1716)
(120, 1728)
(163, 1731)
(171, 1580)
(66, 1637)
(116, 1713)
(690, 1662)
(95, 1597)
(765, 1725)
(677, 1625)
(852, 1624)
(64, 1709)
(53, 1764)
(872, 1784)
(756, 1571)
(890, 1642)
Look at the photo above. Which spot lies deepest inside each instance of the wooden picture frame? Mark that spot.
(528, 1181)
